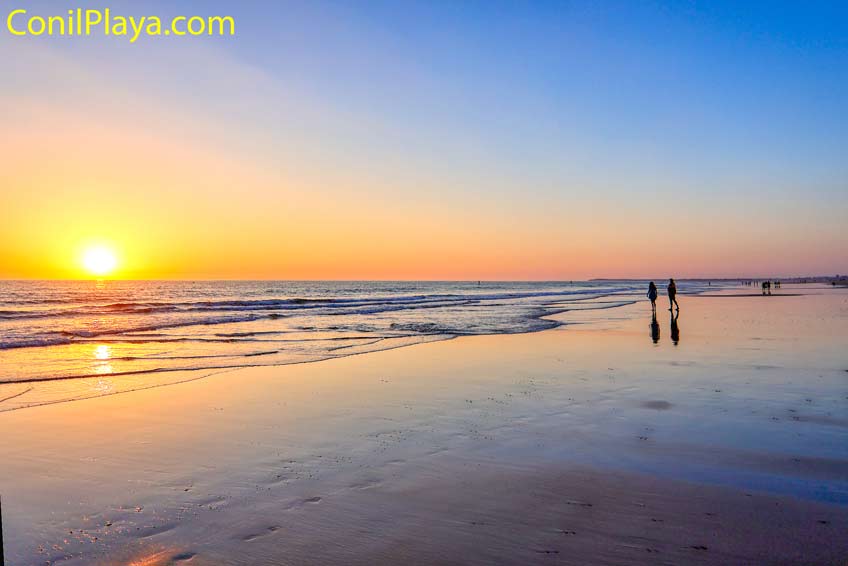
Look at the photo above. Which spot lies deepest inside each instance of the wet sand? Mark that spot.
(586, 444)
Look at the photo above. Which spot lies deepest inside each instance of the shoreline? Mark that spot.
(545, 318)
(548, 314)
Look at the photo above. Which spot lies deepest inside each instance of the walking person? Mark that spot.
(653, 294)
(672, 295)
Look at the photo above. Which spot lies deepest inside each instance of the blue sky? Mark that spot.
(710, 96)
(719, 126)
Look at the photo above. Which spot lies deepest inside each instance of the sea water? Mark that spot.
(62, 340)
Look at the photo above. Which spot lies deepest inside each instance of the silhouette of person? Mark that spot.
(675, 330)
(672, 295)
(653, 294)
(655, 328)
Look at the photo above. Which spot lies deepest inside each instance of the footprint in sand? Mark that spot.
(366, 484)
(154, 530)
(266, 532)
(657, 405)
(298, 504)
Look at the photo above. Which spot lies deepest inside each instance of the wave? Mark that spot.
(35, 342)
(162, 326)
(180, 314)
(68, 336)
(287, 303)
(235, 364)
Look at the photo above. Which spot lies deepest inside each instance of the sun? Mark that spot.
(99, 261)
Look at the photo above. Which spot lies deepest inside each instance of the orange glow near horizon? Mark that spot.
(278, 186)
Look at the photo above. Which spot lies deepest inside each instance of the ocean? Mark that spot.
(64, 340)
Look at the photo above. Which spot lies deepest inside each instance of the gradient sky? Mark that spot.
(433, 140)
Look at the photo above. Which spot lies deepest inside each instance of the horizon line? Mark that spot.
(204, 279)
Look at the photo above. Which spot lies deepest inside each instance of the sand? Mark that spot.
(587, 444)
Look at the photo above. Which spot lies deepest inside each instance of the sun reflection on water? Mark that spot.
(102, 357)
(103, 352)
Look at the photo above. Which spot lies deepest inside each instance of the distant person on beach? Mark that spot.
(655, 328)
(766, 287)
(653, 294)
(672, 295)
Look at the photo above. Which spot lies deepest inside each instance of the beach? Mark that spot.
(423, 283)
(725, 441)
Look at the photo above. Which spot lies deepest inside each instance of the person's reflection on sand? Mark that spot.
(675, 330)
(655, 328)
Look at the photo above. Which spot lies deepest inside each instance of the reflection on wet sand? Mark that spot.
(675, 329)
(655, 328)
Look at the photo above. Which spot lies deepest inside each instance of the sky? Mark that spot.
(432, 140)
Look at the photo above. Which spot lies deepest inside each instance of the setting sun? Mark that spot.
(99, 261)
